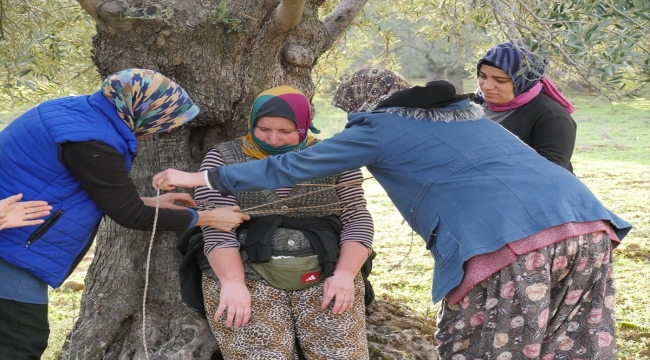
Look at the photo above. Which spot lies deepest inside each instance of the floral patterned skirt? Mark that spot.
(553, 303)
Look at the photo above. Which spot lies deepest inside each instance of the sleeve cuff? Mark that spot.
(215, 182)
(208, 183)
(195, 218)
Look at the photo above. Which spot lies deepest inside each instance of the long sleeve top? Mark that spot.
(101, 171)
(544, 125)
(355, 218)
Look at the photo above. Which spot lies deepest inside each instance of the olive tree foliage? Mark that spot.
(45, 44)
(600, 44)
(603, 43)
(397, 38)
(44, 51)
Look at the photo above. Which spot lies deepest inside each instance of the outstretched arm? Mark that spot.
(356, 146)
(101, 171)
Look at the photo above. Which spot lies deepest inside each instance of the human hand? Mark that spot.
(224, 219)
(340, 287)
(235, 300)
(170, 179)
(169, 200)
(14, 213)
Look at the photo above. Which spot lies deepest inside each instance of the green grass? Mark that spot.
(612, 157)
(6, 117)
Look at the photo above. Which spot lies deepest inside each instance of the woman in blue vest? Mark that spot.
(522, 248)
(75, 153)
(16, 213)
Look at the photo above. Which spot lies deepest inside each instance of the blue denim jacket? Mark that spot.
(467, 187)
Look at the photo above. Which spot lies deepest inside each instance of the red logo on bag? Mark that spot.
(310, 277)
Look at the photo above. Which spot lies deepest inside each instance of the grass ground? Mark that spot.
(6, 118)
(612, 157)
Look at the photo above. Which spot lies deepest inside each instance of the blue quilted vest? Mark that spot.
(29, 164)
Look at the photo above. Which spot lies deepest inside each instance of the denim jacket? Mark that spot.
(466, 185)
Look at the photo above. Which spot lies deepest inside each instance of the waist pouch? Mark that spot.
(290, 272)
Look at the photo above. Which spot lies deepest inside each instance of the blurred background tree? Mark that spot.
(44, 51)
(598, 45)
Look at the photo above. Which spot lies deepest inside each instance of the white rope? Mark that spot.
(146, 278)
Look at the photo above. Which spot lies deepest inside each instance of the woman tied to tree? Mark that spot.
(291, 273)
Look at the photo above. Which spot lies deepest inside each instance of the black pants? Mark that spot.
(24, 330)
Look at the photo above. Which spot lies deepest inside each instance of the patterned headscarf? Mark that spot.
(512, 59)
(286, 102)
(147, 101)
(531, 81)
(366, 88)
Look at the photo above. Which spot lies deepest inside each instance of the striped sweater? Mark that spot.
(355, 218)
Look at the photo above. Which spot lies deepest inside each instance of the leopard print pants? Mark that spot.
(279, 317)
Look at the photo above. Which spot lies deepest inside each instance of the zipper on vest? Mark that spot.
(38, 233)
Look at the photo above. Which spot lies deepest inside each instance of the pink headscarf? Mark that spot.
(549, 89)
(527, 83)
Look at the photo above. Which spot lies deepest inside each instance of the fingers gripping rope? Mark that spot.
(146, 278)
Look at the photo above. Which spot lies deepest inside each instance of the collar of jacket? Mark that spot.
(463, 110)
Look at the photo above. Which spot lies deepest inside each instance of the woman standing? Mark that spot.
(283, 277)
(522, 249)
(76, 153)
(517, 93)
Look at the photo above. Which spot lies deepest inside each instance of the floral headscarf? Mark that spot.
(148, 102)
(366, 88)
(283, 101)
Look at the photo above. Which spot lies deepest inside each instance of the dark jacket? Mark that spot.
(547, 127)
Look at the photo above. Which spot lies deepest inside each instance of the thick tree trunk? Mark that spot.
(456, 78)
(435, 73)
(223, 53)
(110, 321)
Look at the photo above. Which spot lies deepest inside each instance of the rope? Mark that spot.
(208, 205)
(326, 188)
(146, 278)
(248, 211)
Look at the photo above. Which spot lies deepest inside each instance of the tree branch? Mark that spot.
(289, 14)
(341, 17)
(91, 9)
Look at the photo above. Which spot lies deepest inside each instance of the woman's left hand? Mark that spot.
(169, 200)
(14, 213)
(339, 287)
